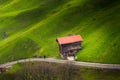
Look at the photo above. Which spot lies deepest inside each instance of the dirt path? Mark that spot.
(98, 65)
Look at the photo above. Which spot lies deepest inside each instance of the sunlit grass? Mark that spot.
(44, 21)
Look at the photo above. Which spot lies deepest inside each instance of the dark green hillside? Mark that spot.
(51, 71)
(29, 28)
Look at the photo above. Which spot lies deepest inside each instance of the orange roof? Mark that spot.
(69, 39)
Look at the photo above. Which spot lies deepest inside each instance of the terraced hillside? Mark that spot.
(29, 28)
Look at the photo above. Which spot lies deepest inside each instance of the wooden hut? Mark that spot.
(69, 45)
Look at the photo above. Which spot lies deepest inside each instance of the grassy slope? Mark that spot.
(33, 26)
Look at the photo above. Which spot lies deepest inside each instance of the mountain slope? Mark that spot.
(29, 28)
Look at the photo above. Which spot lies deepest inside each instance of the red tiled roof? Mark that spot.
(69, 39)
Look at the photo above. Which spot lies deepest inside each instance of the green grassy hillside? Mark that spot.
(29, 28)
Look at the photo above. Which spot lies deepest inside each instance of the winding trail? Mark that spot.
(53, 60)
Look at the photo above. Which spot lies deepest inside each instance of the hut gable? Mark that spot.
(69, 45)
(69, 39)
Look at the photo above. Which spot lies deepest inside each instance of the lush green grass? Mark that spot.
(37, 23)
